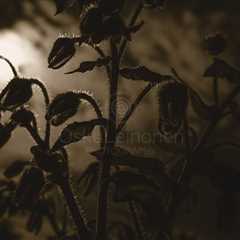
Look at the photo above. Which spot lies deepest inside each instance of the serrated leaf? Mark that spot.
(76, 131)
(15, 168)
(144, 74)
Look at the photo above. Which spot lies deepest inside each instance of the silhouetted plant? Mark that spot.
(152, 189)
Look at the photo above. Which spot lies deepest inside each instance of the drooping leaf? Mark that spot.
(15, 168)
(173, 103)
(63, 107)
(122, 157)
(76, 131)
(17, 92)
(205, 111)
(220, 69)
(62, 51)
(143, 73)
(215, 44)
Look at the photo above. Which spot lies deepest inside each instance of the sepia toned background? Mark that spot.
(169, 38)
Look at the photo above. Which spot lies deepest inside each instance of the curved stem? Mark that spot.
(74, 210)
(129, 113)
(35, 135)
(98, 111)
(47, 101)
(10, 65)
(132, 22)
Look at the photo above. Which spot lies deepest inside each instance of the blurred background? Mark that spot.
(169, 38)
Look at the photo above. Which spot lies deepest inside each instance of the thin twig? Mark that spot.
(133, 107)
(132, 22)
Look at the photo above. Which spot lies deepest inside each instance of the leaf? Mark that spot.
(122, 157)
(15, 168)
(76, 131)
(215, 44)
(89, 178)
(29, 187)
(90, 65)
(132, 186)
(144, 74)
(173, 103)
(205, 111)
(5, 135)
(220, 69)
(62, 51)
(63, 107)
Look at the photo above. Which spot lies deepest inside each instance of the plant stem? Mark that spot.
(74, 210)
(47, 101)
(35, 136)
(135, 220)
(11, 66)
(101, 226)
(98, 113)
(133, 107)
(132, 22)
(216, 91)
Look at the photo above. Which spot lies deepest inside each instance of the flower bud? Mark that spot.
(52, 162)
(16, 93)
(63, 107)
(63, 50)
(23, 117)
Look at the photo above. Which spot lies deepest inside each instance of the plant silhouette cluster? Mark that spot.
(152, 189)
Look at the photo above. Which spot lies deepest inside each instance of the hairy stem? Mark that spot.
(74, 210)
(47, 101)
(14, 71)
(101, 226)
(98, 112)
(135, 220)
